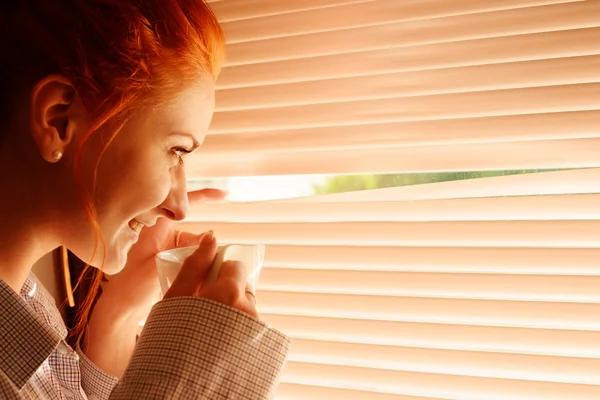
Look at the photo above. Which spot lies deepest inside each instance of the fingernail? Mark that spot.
(208, 237)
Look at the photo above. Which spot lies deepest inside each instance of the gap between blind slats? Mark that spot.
(410, 33)
(543, 261)
(552, 342)
(570, 234)
(291, 391)
(550, 288)
(234, 10)
(533, 100)
(440, 310)
(452, 362)
(560, 207)
(362, 14)
(526, 47)
(539, 73)
(435, 385)
(576, 181)
(551, 154)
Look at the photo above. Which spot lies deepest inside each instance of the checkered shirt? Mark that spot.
(190, 348)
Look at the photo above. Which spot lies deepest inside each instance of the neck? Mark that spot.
(26, 233)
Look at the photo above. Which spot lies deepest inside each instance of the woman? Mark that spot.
(102, 101)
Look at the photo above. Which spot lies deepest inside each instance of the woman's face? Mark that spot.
(141, 176)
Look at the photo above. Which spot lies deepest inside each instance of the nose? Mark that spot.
(176, 204)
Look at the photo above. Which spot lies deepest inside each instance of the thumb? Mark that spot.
(195, 269)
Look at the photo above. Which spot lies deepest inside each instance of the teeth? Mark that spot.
(136, 226)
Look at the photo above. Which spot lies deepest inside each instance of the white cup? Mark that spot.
(169, 262)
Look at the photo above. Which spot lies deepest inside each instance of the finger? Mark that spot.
(250, 294)
(234, 270)
(185, 239)
(195, 268)
(208, 194)
(250, 305)
(231, 288)
(251, 309)
(199, 262)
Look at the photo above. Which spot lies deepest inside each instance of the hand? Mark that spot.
(130, 294)
(127, 297)
(229, 288)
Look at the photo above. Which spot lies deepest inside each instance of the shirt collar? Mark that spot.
(43, 304)
(26, 339)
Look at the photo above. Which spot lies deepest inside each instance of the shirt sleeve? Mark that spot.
(96, 383)
(193, 348)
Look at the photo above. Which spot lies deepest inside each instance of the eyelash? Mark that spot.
(179, 152)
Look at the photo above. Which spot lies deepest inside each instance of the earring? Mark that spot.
(57, 154)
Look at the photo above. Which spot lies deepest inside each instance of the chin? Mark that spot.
(110, 260)
(110, 266)
(114, 262)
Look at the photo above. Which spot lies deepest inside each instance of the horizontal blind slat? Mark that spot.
(557, 342)
(530, 314)
(560, 125)
(291, 391)
(558, 207)
(435, 385)
(428, 284)
(452, 362)
(544, 261)
(550, 154)
(233, 10)
(406, 33)
(534, 100)
(560, 71)
(575, 234)
(525, 47)
(367, 13)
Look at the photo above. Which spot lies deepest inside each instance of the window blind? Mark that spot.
(480, 289)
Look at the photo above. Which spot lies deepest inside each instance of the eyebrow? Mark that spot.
(195, 145)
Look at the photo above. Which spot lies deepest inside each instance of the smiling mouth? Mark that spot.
(136, 226)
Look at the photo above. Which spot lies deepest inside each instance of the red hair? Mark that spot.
(120, 55)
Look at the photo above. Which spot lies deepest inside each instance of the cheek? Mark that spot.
(154, 187)
(129, 186)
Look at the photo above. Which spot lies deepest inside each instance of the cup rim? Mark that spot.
(162, 254)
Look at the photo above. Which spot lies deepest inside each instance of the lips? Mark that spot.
(136, 226)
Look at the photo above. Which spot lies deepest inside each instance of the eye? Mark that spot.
(180, 152)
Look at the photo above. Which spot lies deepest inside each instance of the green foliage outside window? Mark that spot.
(350, 183)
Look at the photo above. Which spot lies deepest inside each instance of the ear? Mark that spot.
(54, 114)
